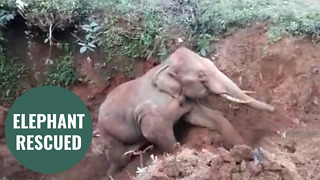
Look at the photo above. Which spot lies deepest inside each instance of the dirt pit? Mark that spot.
(285, 74)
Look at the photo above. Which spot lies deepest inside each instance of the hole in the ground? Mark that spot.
(181, 130)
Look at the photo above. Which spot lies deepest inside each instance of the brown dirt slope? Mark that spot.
(285, 74)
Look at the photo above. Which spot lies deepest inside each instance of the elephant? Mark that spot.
(146, 108)
(153, 123)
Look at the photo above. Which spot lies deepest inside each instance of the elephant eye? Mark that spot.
(202, 76)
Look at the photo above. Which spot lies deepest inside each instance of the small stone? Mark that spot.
(255, 169)
(317, 177)
(241, 152)
(314, 70)
(287, 175)
(226, 157)
(316, 101)
(235, 169)
(284, 135)
(296, 121)
(236, 176)
(271, 166)
(180, 40)
(243, 166)
(291, 146)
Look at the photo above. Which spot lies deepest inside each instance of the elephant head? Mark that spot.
(198, 77)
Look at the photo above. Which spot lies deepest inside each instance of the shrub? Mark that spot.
(63, 72)
(10, 73)
(139, 29)
(58, 14)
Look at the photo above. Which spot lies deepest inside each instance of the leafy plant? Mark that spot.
(5, 16)
(203, 44)
(63, 73)
(134, 37)
(274, 34)
(59, 14)
(92, 33)
(10, 74)
(130, 29)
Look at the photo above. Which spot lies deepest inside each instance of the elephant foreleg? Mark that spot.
(214, 120)
(124, 130)
(158, 132)
(155, 126)
(156, 122)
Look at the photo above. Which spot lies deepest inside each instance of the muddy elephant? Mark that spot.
(146, 108)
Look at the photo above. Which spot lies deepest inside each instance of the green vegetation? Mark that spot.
(138, 37)
(56, 13)
(91, 37)
(140, 29)
(145, 28)
(9, 78)
(10, 70)
(63, 72)
(10, 73)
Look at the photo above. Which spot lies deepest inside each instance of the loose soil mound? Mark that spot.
(240, 163)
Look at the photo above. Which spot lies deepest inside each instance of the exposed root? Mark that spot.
(140, 153)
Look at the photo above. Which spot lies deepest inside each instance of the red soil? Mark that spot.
(285, 74)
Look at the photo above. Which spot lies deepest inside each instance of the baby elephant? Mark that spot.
(146, 108)
(151, 122)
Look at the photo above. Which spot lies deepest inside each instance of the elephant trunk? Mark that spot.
(235, 94)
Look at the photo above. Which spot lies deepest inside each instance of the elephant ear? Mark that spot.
(165, 80)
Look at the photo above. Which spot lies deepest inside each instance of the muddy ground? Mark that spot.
(285, 74)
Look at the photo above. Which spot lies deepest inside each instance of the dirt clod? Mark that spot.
(189, 164)
(241, 152)
(291, 146)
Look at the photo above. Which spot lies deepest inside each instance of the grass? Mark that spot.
(10, 73)
(43, 14)
(141, 29)
(147, 27)
(131, 29)
(134, 37)
(63, 73)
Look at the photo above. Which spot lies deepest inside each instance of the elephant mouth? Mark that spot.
(235, 100)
